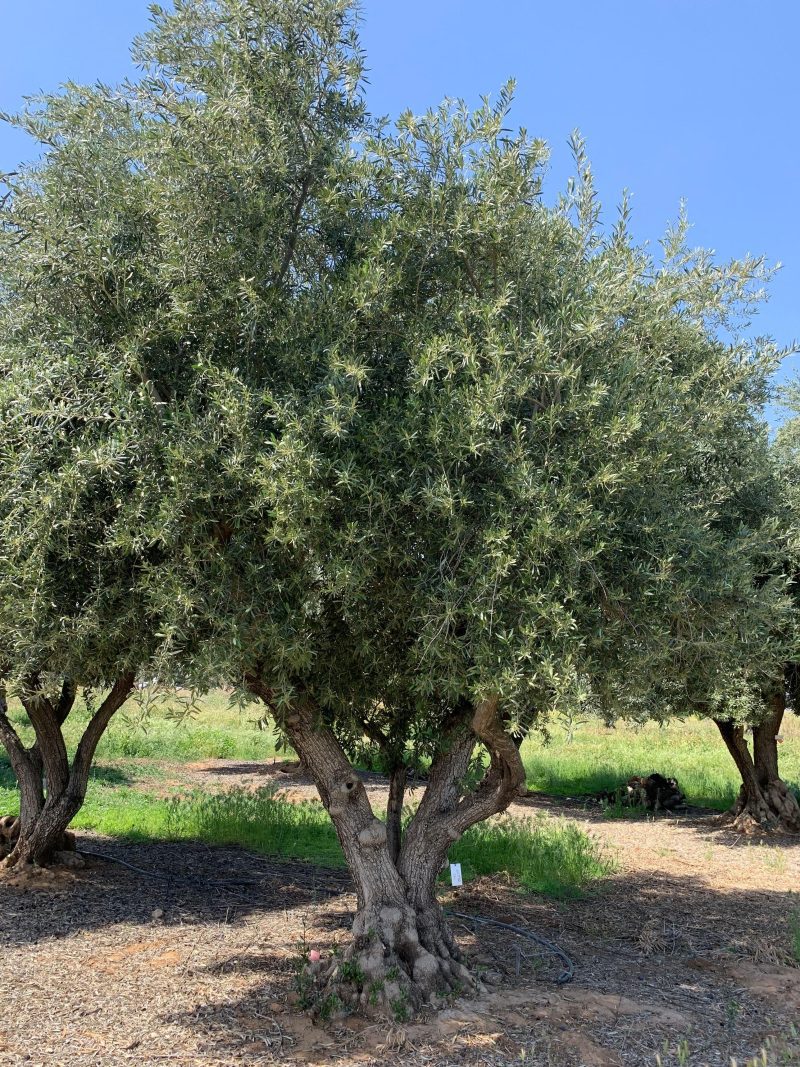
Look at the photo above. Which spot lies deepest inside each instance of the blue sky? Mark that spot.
(694, 99)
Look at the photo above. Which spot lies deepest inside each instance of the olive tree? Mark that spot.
(732, 646)
(416, 447)
(79, 469)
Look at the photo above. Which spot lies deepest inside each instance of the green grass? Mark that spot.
(258, 821)
(599, 758)
(162, 731)
(794, 932)
(544, 855)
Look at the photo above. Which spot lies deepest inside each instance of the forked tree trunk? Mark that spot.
(402, 953)
(764, 801)
(45, 815)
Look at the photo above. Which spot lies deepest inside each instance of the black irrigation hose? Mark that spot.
(566, 975)
(569, 969)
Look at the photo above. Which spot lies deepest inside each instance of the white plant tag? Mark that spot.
(455, 874)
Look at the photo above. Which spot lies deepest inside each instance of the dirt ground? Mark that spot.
(190, 958)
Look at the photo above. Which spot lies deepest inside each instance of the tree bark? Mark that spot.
(780, 799)
(43, 832)
(26, 763)
(402, 952)
(447, 811)
(764, 800)
(394, 810)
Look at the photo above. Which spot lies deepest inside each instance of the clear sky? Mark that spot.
(694, 99)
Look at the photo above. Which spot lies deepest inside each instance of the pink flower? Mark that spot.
(314, 955)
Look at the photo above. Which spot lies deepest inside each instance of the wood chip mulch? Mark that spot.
(190, 961)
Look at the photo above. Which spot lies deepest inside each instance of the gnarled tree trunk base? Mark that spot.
(772, 808)
(41, 846)
(765, 803)
(398, 961)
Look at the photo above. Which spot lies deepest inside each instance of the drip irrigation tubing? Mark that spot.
(566, 975)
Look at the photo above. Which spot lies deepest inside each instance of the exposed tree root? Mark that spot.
(768, 809)
(18, 850)
(386, 969)
(765, 803)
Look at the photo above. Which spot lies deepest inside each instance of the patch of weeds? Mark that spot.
(783, 1051)
(545, 855)
(328, 1007)
(392, 974)
(618, 810)
(374, 991)
(679, 1055)
(794, 932)
(351, 972)
(775, 860)
(399, 1008)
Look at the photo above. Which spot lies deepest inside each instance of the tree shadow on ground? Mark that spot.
(663, 966)
(130, 883)
(206, 941)
(237, 767)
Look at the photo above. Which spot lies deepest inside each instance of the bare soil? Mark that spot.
(190, 959)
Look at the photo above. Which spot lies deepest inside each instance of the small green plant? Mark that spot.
(374, 992)
(351, 972)
(399, 1008)
(304, 983)
(732, 1011)
(794, 932)
(328, 1007)
(392, 974)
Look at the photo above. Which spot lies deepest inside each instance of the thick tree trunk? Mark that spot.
(29, 772)
(26, 764)
(44, 817)
(779, 798)
(402, 954)
(764, 801)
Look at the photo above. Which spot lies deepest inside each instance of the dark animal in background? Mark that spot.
(9, 832)
(655, 792)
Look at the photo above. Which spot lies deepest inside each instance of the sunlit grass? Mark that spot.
(544, 855)
(135, 794)
(164, 730)
(600, 758)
